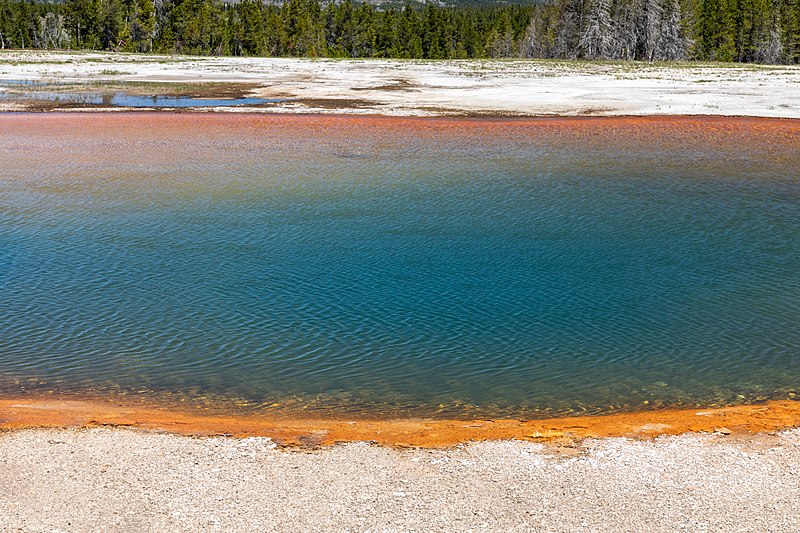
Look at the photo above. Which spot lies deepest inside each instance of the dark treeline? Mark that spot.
(653, 30)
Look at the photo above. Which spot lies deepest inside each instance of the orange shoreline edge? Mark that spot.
(770, 416)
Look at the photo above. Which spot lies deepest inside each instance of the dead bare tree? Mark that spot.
(531, 43)
(52, 31)
(501, 45)
(627, 15)
(650, 28)
(568, 35)
(539, 39)
(597, 38)
(670, 43)
(769, 48)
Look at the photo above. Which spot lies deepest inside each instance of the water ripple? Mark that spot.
(512, 274)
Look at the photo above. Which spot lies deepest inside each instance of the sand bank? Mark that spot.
(397, 87)
(126, 480)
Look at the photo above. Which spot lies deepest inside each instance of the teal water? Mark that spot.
(401, 272)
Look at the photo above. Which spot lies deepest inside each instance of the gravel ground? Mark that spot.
(127, 480)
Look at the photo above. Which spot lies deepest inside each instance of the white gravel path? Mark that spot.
(126, 480)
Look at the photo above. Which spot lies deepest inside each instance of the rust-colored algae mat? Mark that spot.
(68, 126)
(37, 413)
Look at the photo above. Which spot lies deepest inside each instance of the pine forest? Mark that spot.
(763, 31)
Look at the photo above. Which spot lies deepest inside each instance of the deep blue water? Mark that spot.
(516, 277)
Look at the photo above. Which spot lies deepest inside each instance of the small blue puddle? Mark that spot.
(128, 100)
(121, 98)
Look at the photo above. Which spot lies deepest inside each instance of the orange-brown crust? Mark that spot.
(35, 413)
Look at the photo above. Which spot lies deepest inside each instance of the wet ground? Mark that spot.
(36, 95)
(407, 88)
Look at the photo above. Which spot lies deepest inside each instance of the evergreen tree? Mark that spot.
(653, 30)
(717, 30)
(82, 17)
(407, 42)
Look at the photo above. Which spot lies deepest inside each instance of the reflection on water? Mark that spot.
(438, 267)
(115, 99)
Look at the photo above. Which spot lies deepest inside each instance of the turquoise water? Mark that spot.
(402, 273)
